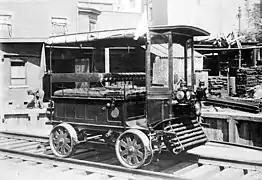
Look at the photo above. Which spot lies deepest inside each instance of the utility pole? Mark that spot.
(239, 33)
(239, 15)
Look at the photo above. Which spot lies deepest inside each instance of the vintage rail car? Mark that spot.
(138, 113)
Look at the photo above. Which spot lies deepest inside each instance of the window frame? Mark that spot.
(6, 23)
(25, 73)
(92, 25)
(59, 22)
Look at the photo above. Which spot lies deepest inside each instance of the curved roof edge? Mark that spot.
(184, 29)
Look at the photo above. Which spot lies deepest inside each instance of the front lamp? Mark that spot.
(180, 95)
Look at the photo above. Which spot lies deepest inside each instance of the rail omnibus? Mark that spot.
(137, 111)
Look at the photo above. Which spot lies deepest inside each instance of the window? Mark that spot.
(87, 18)
(92, 26)
(5, 25)
(150, 14)
(18, 73)
(59, 25)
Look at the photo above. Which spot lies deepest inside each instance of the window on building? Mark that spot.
(87, 18)
(18, 73)
(5, 25)
(92, 26)
(150, 14)
(59, 25)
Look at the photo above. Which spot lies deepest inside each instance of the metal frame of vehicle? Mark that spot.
(138, 121)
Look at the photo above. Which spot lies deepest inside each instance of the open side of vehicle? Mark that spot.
(138, 113)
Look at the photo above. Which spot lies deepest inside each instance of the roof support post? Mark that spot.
(170, 62)
(107, 62)
(185, 62)
(170, 71)
(193, 83)
(256, 56)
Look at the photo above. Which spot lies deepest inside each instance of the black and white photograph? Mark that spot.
(131, 89)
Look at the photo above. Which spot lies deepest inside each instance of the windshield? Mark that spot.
(159, 60)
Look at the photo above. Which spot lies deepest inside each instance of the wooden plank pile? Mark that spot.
(246, 79)
(216, 85)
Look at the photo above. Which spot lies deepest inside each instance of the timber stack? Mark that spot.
(216, 85)
(246, 79)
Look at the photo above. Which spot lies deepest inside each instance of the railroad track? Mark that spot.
(34, 152)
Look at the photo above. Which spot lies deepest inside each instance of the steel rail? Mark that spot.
(23, 136)
(234, 144)
(94, 167)
(121, 172)
(227, 162)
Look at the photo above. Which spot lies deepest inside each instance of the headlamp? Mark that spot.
(180, 95)
(188, 95)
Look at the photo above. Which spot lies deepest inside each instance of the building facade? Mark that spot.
(216, 16)
(26, 24)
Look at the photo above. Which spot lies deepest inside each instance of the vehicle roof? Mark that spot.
(123, 37)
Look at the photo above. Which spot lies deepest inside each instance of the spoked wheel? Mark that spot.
(132, 148)
(63, 139)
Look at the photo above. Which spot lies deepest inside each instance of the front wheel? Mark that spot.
(132, 148)
(62, 140)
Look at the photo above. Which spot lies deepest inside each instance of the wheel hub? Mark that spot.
(61, 141)
(130, 150)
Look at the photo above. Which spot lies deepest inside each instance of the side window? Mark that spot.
(5, 25)
(92, 25)
(59, 25)
(18, 73)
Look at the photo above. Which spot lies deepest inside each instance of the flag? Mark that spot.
(42, 68)
(142, 27)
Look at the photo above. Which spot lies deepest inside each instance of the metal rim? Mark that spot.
(132, 148)
(62, 140)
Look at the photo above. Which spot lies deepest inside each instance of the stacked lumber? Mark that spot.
(216, 85)
(259, 75)
(246, 79)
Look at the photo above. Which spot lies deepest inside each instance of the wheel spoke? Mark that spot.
(57, 133)
(62, 132)
(67, 140)
(129, 141)
(135, 141)
(66, 134)
(140, 154)
(55, 140)
(56, 146)
(139, 146)
(124, 152)
(67, 147)
(123, 143)
(59, 130)
(129, 160)
(136, 161)
(59, 149)
(63, 150)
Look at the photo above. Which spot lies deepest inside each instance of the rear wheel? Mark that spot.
(132, 148)
(62, 140)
